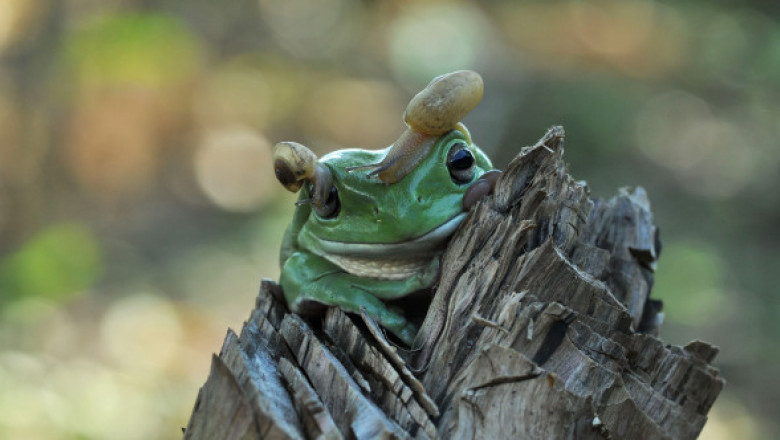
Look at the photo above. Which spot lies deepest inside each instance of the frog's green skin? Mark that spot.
(386, 239)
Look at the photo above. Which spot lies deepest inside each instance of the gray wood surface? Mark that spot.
(541, 327)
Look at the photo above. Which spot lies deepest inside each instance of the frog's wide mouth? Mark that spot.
(424, 245)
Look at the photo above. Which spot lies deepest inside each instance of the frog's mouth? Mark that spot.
(389, 261)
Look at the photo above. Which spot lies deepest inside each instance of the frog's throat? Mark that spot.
(388, 261)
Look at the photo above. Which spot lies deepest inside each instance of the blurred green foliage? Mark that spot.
(138, 210)
(134, 49)
(692, 283)
(58, 263)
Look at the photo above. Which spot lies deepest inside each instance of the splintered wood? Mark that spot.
(541, 327)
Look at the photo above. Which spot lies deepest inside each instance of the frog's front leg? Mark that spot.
(308, 277)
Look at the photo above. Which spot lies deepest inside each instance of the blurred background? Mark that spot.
(139, 212)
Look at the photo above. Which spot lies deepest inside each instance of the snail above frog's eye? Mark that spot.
(460, 163)
(434, 111)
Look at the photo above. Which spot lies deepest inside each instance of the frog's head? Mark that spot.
(412, 198)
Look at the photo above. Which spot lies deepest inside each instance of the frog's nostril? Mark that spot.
(475, 193)
(481, 188)
(419, 199)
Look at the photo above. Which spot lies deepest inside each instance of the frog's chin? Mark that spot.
(389, 261)
(427, 244)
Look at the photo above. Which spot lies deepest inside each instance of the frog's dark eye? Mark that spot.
(460, 163)
(331, 207)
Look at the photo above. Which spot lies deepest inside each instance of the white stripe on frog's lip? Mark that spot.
(426, 244)
(382, 269)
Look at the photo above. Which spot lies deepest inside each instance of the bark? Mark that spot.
(541, 326)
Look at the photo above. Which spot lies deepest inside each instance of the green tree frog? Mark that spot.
(360, 238)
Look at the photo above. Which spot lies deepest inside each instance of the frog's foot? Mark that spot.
(406, 333)
(388, 317)
(394, 321)
(354, 299)
(481, 188)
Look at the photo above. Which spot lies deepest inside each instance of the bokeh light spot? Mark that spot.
(18, 406)
(613, 27)
(634, 38)
(16, 19)
(432, 39)
(353, 113)
(309, 28)
(233, 168)
(729, 420)
(711, 157)
(43, 397)
(142, 331)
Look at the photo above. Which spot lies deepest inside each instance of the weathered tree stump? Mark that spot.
(541, 326)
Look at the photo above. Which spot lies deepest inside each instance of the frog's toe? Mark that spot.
(407, 333)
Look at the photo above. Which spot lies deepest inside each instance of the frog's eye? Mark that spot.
(331, 207)
(460, 163)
